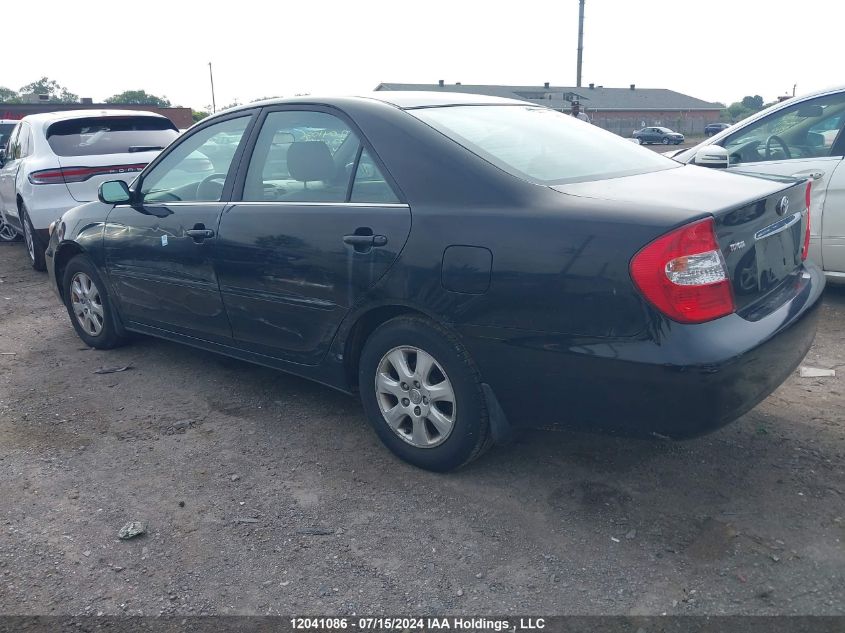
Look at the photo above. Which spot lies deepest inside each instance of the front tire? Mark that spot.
(34, 247)
(89, 306)
(422, 394)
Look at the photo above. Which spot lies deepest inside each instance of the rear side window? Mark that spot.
(110, 135)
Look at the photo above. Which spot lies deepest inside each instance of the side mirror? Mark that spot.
(114, 192)
(712, 156)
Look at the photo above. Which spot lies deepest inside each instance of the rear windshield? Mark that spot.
(5, 130)
(541, 145)
(110, 135)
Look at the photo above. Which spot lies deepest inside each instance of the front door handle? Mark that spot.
(199, 234)
(811, 174)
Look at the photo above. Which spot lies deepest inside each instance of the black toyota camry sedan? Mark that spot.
(468, 265)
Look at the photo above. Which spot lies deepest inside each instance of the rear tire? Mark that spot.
(422, 394)
(665, 140)
(34, 247)
(89, 306)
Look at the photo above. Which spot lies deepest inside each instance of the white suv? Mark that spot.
(54, 161)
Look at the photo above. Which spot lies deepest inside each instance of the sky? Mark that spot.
(716, 50)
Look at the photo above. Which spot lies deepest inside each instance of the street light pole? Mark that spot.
(580, 41)
(211, 77)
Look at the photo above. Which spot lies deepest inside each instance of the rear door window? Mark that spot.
(110, 135)
(301, 156)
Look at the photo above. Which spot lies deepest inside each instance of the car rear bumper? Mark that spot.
(677, 381)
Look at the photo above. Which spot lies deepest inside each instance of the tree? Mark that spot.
(199, 115)
(753, 103)
(739, 110)
(7, 95)
(50, 87)
(140, 97)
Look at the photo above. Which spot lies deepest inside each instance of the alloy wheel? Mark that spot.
(415, 397)
(7, 233)
(87, 304)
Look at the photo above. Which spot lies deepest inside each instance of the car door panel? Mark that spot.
(288, 278)
(833, 222)
(163, 276)
(8, 179)
(159, 249)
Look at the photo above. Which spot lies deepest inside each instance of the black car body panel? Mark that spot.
(534, 279)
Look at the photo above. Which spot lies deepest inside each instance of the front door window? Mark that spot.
(197, 168)
(805, 130)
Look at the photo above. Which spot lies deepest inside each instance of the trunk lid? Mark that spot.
(106, 146)
(760, 221)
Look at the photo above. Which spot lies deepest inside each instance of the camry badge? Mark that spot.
(782, 206)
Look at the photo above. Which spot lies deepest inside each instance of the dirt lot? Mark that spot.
(268, 494)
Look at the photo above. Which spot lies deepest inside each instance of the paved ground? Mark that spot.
(267, 494)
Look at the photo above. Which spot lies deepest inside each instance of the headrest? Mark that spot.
(310, 160)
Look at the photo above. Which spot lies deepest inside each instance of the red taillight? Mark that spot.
(683, 274)
(47, 177)
(80, 174)
(806, 250)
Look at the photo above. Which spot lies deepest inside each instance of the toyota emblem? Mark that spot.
(782, 206)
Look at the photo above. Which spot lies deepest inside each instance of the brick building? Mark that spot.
(620, 110)
(181, 117)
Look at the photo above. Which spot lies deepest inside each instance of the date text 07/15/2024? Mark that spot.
(411, 623)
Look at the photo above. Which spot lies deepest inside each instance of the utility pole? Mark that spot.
(580, 41)
(211, 77)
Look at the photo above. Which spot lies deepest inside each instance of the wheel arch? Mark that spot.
(64, 253)
(363, 324)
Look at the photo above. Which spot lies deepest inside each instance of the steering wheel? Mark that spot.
(776, 139)
(211, 187)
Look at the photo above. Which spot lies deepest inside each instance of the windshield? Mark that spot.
(540, 145)
(110, 135)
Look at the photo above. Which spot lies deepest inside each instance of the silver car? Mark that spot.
(801, 137)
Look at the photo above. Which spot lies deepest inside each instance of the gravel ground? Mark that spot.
(265, 494)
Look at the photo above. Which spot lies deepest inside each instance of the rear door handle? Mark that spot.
(199, 234)
(365, 241)
(811, 174)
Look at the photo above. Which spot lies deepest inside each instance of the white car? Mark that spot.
(7, 231)
(801, 137)
(54, 161)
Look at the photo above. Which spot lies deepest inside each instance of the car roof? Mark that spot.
(402, 99)
(64, 115)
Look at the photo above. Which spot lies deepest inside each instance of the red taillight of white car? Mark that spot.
(806, 248)
(63, 175)
(683, 274)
